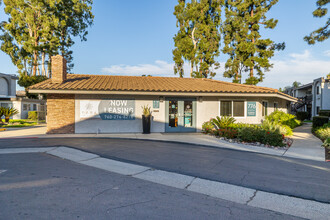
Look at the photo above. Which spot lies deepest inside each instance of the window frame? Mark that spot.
(232, 107)
(262, 108)
(276, 106)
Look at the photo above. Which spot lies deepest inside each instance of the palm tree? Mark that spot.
(2, 113)
(8, 112)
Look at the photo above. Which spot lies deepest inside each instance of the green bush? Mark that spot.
(326, 143)
(33, 115)
(251, 134)
(273, 127)
(319, 121)
(258, 134)
(282, 118)
(323, 132)
(207, 127)
(302, 115)
(223, 122)
(324, 113)
(229, 133)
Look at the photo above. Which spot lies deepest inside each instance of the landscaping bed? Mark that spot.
(274, 132)
(19, 123)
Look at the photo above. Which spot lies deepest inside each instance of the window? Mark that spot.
(232, 108)
(238, 108)
(264, 108)
(26, 107)
(317, 90)
(6, 105)
(275, 106)
(225, 108)
(317, 110)
(34, 107)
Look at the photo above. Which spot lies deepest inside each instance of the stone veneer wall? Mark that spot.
(60, 114)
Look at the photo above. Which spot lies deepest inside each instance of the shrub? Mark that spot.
(33, 115)
(2, 113)
(273, 127)
(258, 134)
(326, 143)
(323, 132)
(251, 134)
(229, 133)
(8, 112)
(223, 122)
(319, 121)
(207, 127)
(324, 113)
(274, 139)
(282, 118)
(302, 115)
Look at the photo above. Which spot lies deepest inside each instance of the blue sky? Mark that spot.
(136, 37)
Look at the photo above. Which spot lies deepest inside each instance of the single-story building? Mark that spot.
(113, 104)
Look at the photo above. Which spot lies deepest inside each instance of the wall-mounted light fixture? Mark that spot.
(200, 98)
(161, 98)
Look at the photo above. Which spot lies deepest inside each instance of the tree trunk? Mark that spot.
(49, 69)
(43, 70)
(251, 69)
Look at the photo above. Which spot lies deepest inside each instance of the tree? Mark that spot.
(247, 51)
(296, 84)
(198, 38)
(37, 30)
(322, 33)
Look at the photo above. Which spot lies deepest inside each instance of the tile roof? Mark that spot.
(149, 84)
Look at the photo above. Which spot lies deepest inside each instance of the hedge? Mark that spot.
(324, 113)
(319, 121)
(302, 115)
(33, 115)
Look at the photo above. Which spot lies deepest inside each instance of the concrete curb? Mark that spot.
(251, 197)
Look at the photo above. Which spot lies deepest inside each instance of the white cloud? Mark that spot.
(301, 67)
(297, 67)
(327, 53)
(159, 68)
(301, 56)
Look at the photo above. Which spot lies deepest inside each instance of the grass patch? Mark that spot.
(19, 123)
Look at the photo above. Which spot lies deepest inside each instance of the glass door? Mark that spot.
(180, 115)
(173, 115)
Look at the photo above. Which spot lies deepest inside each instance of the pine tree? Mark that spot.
(322, 33)
(37, 30)
(247, 51)
(198, 38)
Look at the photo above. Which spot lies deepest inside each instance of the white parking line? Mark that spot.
(251, 197)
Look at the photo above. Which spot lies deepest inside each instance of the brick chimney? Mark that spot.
(58, 69)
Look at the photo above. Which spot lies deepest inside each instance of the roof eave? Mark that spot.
(98, 92)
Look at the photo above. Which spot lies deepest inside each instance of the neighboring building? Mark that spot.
(113, 104)
(9, 98)
(312, 97)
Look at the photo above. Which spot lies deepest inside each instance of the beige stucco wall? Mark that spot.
(209, 108)
(97, 125)
(206, 108)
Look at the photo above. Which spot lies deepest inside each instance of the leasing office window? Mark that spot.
(232, 108)
(264, 108)
(275, 106)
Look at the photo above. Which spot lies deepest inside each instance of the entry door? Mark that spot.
(180, 115)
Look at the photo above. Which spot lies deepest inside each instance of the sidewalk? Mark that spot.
(305, 145)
